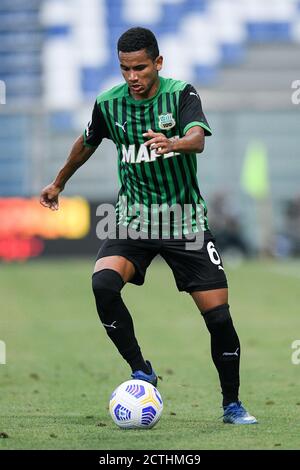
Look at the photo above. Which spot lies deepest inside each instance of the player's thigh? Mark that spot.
(208, 299)
(199, 270)
(129, 257)
(117, 263)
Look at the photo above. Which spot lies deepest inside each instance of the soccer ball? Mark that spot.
(135, 404)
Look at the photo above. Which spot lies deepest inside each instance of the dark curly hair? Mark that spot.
(135, 39)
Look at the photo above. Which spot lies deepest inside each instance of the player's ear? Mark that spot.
(159, 62)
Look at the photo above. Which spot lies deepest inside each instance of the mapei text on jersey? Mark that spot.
(143, 154)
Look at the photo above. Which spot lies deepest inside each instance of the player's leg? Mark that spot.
(201, 274)
(110, 275)
(225, 351)
(225, 345)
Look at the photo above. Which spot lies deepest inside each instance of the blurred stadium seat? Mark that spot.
(73, 47)
(219, 29)
(21, 48)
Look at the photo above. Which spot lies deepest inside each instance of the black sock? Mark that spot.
(116, 318)
(225, 350)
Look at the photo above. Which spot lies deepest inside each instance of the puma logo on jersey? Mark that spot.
(87, 129)
(144, 154)
(196, 94)
(121, 125)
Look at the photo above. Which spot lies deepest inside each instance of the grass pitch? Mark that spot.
(61, 368)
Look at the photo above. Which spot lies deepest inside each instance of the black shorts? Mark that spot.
(193, 270)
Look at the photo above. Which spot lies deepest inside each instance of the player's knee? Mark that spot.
(217, 316)
(107, 285)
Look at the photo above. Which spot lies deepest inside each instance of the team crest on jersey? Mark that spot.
(166, 121)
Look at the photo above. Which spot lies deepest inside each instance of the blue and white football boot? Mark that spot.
(235, 413)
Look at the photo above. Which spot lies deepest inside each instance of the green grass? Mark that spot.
(61, 367)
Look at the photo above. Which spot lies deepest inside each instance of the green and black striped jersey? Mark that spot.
(150, 182)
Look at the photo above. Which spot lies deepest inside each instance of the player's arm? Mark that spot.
(81, 151)
(78, 156)
(192, 142)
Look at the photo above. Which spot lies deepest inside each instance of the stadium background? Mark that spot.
(243, 57)
(55, 57)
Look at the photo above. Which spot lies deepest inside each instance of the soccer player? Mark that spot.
(158, 127)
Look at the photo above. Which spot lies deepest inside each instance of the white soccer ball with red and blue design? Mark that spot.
(135, 404)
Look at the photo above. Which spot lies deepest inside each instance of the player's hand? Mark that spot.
(49, 196)
(158, 142)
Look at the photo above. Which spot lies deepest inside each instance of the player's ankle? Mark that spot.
(141, 365)
(228, 400)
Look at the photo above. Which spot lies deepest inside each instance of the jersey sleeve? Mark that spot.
(96, 130)
(190, 111)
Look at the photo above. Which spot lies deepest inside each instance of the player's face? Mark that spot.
(140, 73)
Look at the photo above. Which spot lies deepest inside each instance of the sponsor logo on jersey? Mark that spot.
(143, 154)
(166, 121)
